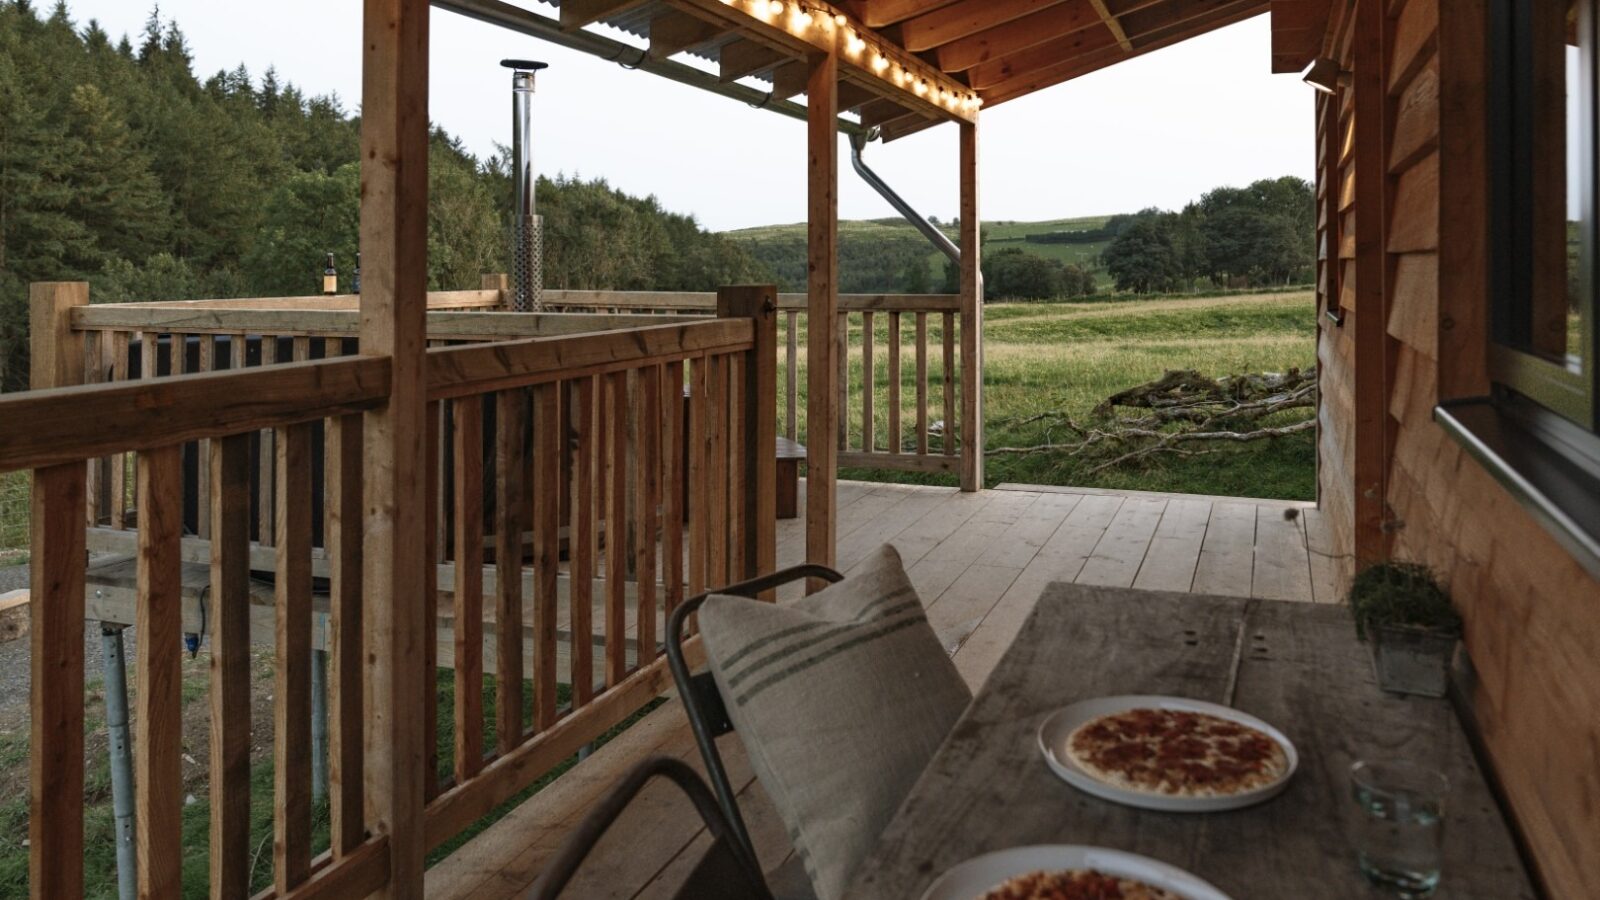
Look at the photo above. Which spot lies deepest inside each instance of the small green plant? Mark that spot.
(1403, 594)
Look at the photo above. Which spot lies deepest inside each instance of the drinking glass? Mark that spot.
(1399, 826)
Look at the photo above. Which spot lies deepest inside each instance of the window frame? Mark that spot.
(1517, 372)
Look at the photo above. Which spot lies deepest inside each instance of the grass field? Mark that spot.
(996, 236)
(1070, 356)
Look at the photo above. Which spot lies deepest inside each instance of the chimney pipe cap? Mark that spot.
(524, 64)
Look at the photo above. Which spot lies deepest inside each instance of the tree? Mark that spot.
(1143, 258)
(113, 192)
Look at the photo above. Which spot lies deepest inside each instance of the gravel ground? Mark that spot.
(14, 669)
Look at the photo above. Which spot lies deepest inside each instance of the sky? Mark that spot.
(1158, 130)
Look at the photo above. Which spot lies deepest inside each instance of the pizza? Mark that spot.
(1176, 753)
(1076, 884)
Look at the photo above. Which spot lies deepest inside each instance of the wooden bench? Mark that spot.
(790, 455)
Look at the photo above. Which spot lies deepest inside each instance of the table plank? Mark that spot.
(988, 787)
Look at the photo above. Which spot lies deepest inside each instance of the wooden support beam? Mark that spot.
(880, 13)
(971, 316)
(822, 288)
(789, 80)
(744, 57)
(577, 13)
(674, 32)
(1112, 25)
(968, 17)
(1299, 28)
(394, 247)
(1038, 68)
(56, 574)
(758, 421)
(1008, 35)
(1371, 289)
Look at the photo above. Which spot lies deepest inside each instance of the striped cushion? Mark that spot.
(841, 699)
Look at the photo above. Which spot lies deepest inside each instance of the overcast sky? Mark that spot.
(1155, 131)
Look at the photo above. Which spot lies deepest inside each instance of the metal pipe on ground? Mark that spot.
(120, 751)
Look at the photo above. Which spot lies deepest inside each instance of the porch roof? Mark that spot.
(914, 63)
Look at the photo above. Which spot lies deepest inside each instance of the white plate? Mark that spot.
(1055, 730)
(977, 876)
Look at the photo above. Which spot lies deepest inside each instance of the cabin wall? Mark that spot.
(1336, 282)
(1532, 614)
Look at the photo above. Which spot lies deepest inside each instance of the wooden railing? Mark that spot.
(876, 332)
(665, 484)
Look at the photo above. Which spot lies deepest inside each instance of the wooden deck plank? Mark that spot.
(1324, 564)
(1282, 569)
(980, 561)
(1174, 553)
(940, 568)
(1116, 559)
(1228, 553)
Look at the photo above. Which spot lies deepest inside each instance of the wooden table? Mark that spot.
(1295, 665)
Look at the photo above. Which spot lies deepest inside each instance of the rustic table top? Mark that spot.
(1294, 665)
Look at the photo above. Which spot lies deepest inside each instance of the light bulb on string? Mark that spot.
(880, 62)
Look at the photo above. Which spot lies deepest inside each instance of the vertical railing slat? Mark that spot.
(948, 436)
(842, 376)
(432, 554)
(511, 497)
(548, 429)
(894, 382)
(582, 541)
(205, 361)
(342, 541)
(292, 673)
(922, 384)
(699, 491)
(120, 343)
(791, 375)
(468, 612)
(734, 428)
(672, 483)
(228, 474)
(716, 476)
(647, 479)
(158, 723)
(616, 526)
(264, 481)
(869, 436)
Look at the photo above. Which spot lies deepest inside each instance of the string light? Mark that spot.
(921, 88)
(775, 7)
(800, 20)
(839, 20)
(855, 44)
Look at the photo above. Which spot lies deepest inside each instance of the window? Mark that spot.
(1543, 323)
(1539, 432)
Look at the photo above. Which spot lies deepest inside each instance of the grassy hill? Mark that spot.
(782, 247)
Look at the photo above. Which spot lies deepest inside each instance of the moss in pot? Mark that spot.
(1405, 615)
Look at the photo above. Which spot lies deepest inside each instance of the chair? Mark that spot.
(702, 702)
(723, 873)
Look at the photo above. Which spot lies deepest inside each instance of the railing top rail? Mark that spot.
(707, 301)
(63, 425)
(483, 368)
(442, 324)
(436, 300)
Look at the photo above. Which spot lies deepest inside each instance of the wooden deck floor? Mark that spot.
(979, 562)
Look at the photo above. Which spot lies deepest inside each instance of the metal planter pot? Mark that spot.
(1412, 660)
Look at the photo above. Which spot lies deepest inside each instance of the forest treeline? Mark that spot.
(1231, 237)
(120, 166)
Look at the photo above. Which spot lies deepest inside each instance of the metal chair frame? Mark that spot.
(712, 877)
(703, 702)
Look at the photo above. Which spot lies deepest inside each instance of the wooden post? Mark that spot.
(394, 299)
(759, 424)
(501, 283)
(1464, 215)
(1370, 319)
(56, 572)
(971, 317)
(822, 307)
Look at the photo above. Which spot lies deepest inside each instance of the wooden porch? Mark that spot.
(979, 562)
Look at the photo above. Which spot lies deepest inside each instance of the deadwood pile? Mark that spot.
(1182, 413)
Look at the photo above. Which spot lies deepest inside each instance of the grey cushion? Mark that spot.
(841, 699)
